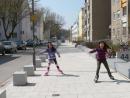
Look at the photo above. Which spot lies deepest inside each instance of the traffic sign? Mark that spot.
(33, 17)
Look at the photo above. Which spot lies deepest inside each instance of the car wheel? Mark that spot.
(16, 50)
(25, 48)
(11, 50)
(3, 53)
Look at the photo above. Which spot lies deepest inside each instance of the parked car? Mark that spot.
(44, 43)
(30, 43)
(10, 46)
(2, 49)
(21, 44)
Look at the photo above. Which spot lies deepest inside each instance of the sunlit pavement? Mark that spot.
(79, 69)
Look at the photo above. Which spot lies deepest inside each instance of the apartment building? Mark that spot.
(39, 29)
(98, 19)
(120, 21)
(74, 31)
(81, 24)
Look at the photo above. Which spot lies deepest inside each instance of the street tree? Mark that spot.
(52, 22)
(11, 14)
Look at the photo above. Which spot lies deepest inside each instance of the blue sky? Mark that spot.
(69, 9)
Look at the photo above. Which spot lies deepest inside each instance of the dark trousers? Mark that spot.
(53, 60)
(106, 66)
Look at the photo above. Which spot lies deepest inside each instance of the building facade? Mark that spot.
(81, 24)
(98, 19)
(120, 21)
(74, 31)
(39, 29)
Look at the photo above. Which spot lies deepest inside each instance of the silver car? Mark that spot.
(10, 46)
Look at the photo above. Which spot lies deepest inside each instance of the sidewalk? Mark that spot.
(79, 68)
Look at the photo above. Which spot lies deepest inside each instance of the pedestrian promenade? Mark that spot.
(79, 68)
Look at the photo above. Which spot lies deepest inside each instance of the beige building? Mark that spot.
(81, 24)
(74, 31)
(98, 19)
(120, 21)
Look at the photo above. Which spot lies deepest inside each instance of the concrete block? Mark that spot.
(124, 68)
(46, 55)
(43, 58)
(2, 93)
(38, 62)
(29, 69)
(19, 78)
(125, 55)
(113, 61)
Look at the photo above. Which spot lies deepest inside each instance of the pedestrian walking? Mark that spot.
(101, 52)
(51, 50)
(76, 45)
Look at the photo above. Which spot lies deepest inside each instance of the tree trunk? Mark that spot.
(5, 27)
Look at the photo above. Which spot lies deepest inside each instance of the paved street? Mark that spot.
(79, 68)
(13, 62)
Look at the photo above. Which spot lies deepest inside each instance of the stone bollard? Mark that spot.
(2, 93)
(38, 63)
(29, 69)
(20, 78)
(46, 55)
(43, 58)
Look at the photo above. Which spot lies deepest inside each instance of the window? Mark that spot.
(116, 2)
(86, 22)
(118, 14)
(118, 30)
(124, 31)
(114, 15)
(85, 11)
(113, 32)
(124, 10)
(0, 23)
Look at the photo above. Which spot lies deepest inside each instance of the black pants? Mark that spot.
(106, 66)
(53, 60)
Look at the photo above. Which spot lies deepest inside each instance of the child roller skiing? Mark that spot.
(51, 50)
(101, 53)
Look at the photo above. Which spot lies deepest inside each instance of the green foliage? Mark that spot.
(52, 22)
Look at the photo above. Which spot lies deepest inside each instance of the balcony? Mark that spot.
(123, 1)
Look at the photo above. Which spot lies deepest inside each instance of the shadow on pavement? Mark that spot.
(118, 82)
(121, 81)
(28, 84)
(31, 84)
(36, 75)
(7, 58)
(65, 75)
(70, 75)
(105, 72)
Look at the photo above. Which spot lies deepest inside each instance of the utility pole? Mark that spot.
(33, 29)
